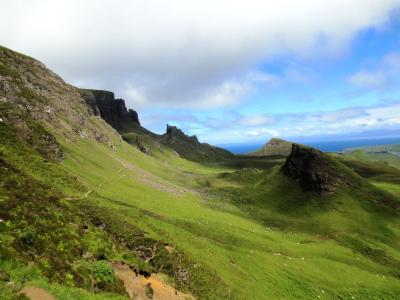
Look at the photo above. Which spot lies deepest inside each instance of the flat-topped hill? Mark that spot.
(274, 147)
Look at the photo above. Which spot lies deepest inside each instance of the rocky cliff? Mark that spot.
(189, 146)
(173, 132)
(112, 110)
(313, 170)
(33, 100)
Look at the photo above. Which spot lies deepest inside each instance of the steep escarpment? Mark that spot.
(40, 117)
(313, 170)
(274, 147)
(125, 121)
(112, 110)
(189, 146)
(37, 103)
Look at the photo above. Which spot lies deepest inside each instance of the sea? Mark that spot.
(327, 146)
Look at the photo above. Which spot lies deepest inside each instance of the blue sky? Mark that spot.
(340, 88)
(229, 72)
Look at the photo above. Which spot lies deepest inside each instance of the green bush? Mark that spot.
(27, 236)
(103, 274)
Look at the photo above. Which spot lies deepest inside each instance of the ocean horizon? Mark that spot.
(327, 146)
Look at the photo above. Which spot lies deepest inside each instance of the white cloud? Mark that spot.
(262, 132)
(257, 120)
(340, 115)
(366, 79)
(351, 120)
(179, 53)
(392, 61)
(382, 76)
(264, 78)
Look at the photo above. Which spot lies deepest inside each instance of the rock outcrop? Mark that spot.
(312, 169)
(173, 131)
(90, 101)
(112, 110)
(275, 147)
(189, 146)
(34, 99)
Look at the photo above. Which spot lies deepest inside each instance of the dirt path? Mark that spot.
(151, 180)
(141, 288)
(144, 177)
(35, 293)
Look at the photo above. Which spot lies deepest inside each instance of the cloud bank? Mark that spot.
(384, 75)
(180, 53)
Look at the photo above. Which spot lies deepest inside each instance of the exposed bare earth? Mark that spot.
(35, 293)
(142, 288)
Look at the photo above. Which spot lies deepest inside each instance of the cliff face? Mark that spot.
(112, 110)
(313, 170)
(34, 99)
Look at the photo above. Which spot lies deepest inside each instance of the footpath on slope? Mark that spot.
(152, 180)
(143, 177)
(35, 293)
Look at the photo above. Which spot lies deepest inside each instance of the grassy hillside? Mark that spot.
(75, 197)
(388, 154)
(379, 164)
(274, 147)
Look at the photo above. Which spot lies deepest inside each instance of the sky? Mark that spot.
(227, 71)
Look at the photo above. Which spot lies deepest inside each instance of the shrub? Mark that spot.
(103, 274)
(27, 236)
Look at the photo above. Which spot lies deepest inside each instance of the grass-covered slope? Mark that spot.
(74, 197)
(387, 154)
(379, 165)
(274, 147)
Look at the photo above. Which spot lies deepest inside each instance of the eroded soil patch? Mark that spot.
(35, 293)
(141, 288)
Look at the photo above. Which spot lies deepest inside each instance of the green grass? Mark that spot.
(234, 232)
(7, 71)
(240, 228)
(386, 154)
(246, 217)
(30, 95)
